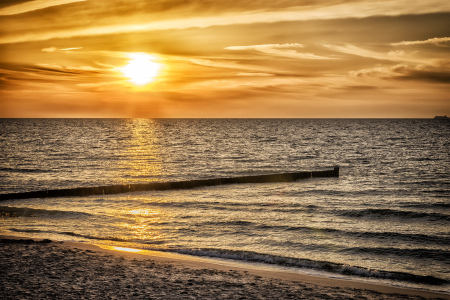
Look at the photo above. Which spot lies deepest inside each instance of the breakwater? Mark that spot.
(159, 186)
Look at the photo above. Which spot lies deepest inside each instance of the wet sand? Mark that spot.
(34, 269)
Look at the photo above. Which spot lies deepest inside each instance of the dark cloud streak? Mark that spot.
(437, 75)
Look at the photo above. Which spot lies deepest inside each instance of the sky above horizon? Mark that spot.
(225, 59)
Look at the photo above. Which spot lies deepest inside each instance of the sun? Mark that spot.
(141, 69)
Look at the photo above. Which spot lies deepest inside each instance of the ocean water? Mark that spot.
(385, 219)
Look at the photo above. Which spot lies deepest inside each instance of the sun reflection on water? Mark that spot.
(142, 156)
(140, 162)
(143, 212)
(142, 224)
(124, 249)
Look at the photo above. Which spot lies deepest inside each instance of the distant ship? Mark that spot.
(441, 117)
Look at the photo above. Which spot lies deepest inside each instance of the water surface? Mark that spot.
(386, 216)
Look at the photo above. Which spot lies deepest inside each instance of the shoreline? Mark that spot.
(195, 277)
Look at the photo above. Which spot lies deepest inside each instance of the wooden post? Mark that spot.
(336, 171)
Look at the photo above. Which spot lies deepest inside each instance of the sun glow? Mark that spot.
(141, 69)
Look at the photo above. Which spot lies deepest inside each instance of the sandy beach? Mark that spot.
(43, 269)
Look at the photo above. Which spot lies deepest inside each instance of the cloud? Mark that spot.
(396, 56)
(13, 74)
(265, 46)
(224, 84)
(112, 25)
(359, 87)
(255, 74)
(280, 50)
(227, 64)
(70, 49)
(33, 5)
(68, 70)
(433, 41)
(101, 84)
(426, 73)
(355, 50)
(53, 49)
(50, 49)
(216, 64)
(422, 73)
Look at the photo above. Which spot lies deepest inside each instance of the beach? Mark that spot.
(42, 269)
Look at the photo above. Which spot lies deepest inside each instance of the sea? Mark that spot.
(385, 219)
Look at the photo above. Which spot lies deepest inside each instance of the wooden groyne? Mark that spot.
(160, 186)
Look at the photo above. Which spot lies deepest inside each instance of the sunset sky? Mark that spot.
(238, 59)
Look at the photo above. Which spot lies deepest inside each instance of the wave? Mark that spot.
(420, 159)
(24, 170)
(158, 186)
(69, 233)
(436, 205)
(251, 256)
(11, 212)
(391, 213)
(409, 238)
(232, 223)
(332, 267)
(440, 255)
(89, 237)
(27, 230)
(405, 237)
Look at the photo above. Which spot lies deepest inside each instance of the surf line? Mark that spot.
(177, 185)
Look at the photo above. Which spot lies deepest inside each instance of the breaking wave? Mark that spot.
(11, 212)
(69, 233)
(332, 267)
(437, 205)
(441, 255)
(391, 213)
